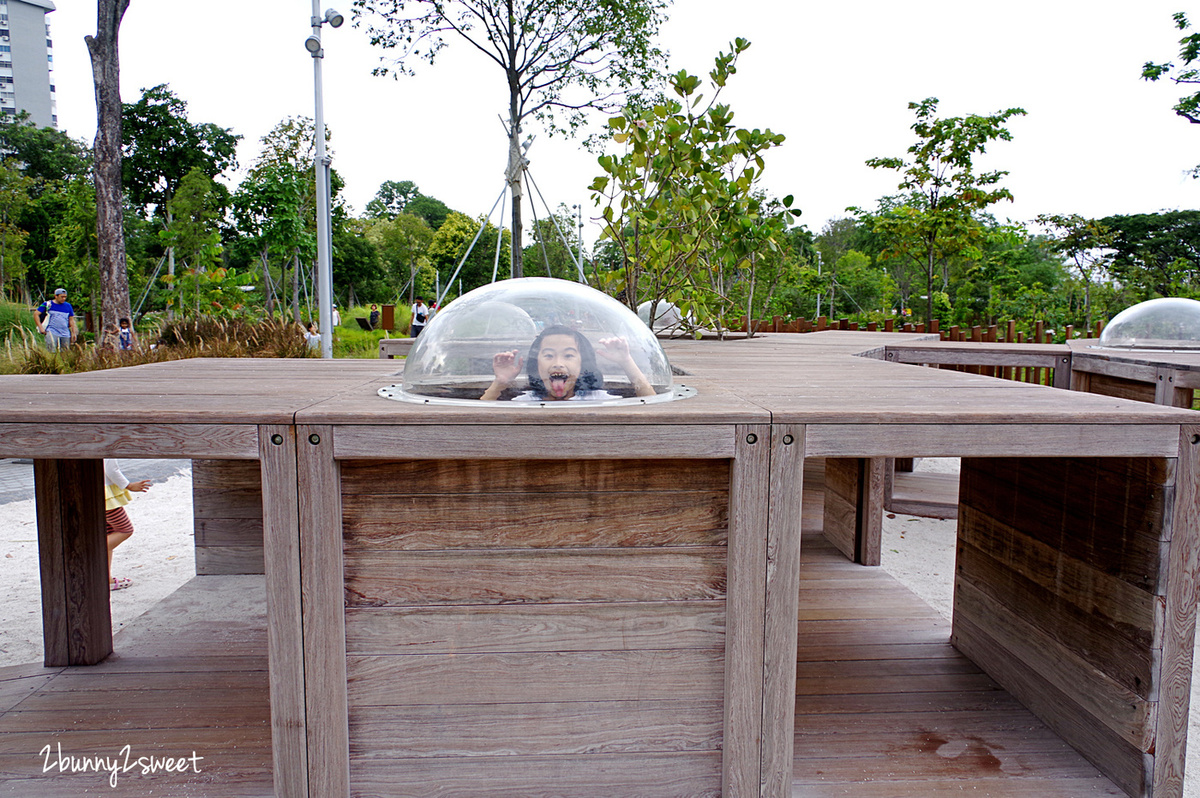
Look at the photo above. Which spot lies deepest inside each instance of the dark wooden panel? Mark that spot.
(1108, 385)
(1121, 649)
(575, 727)
(227, 512)
(229, 560)
(612, 519)
(841, 504)
(426, 679)
(77, 623)
(533, 627)
(1094, 510)
(376, 477)
(382, 578)
(683, 775)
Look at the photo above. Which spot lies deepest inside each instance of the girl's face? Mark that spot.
(559, 364)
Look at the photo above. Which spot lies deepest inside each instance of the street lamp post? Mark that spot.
(321, 167)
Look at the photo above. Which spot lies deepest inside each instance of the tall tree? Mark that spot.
(161, 146)
(392, 198)
(942, 191)
(1188, 106)
(110, 226)
(1083, 242)
(685, 205)
(556, 55)
(45, 154)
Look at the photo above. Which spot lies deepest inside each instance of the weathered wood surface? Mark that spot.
(76, 621)
(280, 518)
(923, 494)
(890, 713)
(227, 516)
(1058, 595)
(854, 498)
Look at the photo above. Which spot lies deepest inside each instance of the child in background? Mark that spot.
(117, 525)
(125, 339)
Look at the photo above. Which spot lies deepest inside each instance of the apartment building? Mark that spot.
(27, 61)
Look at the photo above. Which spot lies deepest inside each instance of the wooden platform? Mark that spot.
(877, 678)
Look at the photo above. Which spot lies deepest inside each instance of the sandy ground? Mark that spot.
(159, 558)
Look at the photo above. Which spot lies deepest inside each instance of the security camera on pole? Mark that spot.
(321, 166)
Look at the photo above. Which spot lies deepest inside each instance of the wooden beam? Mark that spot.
(76, 618)
(745, 607)
(1175, 668)
(285, 636)
(548, 442)
(991, 440)
(782, 613)
(218, 441)
(322, 585)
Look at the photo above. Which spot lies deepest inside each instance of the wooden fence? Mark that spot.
(995, 333)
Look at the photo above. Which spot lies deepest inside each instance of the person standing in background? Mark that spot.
(420, 315)
(56, 321)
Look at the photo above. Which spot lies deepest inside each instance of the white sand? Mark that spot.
(160, 557)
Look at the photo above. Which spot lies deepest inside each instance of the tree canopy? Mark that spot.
(558, 57)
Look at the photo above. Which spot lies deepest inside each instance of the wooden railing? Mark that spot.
(995, 333)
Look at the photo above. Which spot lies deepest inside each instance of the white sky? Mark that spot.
(835, 78)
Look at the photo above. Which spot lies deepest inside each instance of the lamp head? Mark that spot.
(312, 44)
(334, 18)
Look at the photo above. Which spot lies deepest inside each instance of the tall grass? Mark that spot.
(24, 352)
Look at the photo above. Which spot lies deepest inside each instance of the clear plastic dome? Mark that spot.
(536, 342)
(666, 315)
(1169, 323)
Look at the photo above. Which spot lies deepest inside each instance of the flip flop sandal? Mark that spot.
(119, 583)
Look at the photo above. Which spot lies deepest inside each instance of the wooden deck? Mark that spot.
(884, 705)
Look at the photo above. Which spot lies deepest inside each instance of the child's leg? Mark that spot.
(118, 528)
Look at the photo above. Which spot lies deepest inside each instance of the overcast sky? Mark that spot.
(835, 78)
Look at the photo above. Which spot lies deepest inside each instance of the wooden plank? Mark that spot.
(842, 477)
(924, 494)
(1129, 716)
(870, 512)
(535, 729)
(782, 591)
(1122, 388)
(377, 477)
(229, 560)
(76, 620)
(285, 635)
(549, 442)
(568, 519)
(321, 578)
(1175, 670)
(745, 608)
(1117, 759)
(517, 628)
(217, 532)
(1105, 512)
(233, 441)
(658, 775)
(383, 578)
(434, 679)
(992, 355)
(990, 440)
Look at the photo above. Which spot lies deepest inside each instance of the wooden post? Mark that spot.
(783, 599)
(323, 585)
(1010, 332)
(285, 637)
(76, 619)
(854, 496)
(888, 325)
(744, 610)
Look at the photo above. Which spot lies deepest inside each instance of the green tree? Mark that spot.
(683, 203)
(273, 207)
(556, 55)
(1084, 244)
(192, 233)
(1156, 254)
(161, 146)
(548, 254)
(403, 244)
(392, 198)
(1188, 106)
(449, 246)
(432, 210)
(942, 191)
(14, 198)
(45, 154)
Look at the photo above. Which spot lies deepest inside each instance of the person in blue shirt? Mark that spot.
(56, 321)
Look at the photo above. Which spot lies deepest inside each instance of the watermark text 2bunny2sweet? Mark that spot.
(123, 762)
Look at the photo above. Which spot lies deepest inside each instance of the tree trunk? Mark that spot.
(110, 220)
(516, 169)
(268, 293)
(296, 286)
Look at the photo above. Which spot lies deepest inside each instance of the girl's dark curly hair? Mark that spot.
(590, 378)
